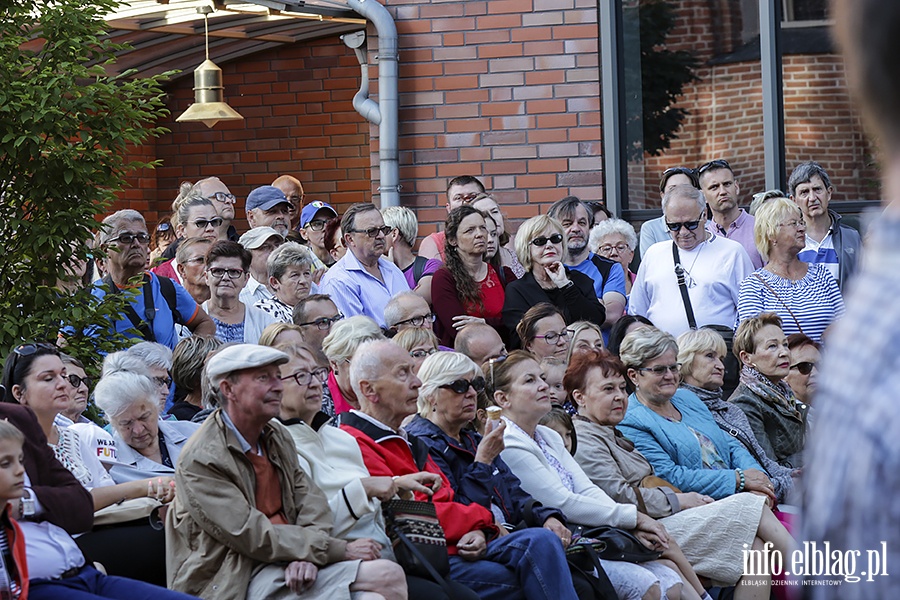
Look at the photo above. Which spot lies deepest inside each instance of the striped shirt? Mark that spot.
(814, 300)
(822, 253)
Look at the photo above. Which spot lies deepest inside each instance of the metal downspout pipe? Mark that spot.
(385, 112)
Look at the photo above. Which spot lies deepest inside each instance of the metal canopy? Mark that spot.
(167, 35)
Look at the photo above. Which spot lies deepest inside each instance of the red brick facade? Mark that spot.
(507, 90)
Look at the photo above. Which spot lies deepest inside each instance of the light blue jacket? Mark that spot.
(133, 465)
(674, 451)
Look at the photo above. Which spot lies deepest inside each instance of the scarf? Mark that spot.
(711, 398)
(777, 394)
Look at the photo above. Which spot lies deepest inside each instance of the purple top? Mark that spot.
(431, 266)
(740, 231)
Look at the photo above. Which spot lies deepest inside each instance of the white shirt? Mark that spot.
(253, 292)
(714, 271)
(49, 550)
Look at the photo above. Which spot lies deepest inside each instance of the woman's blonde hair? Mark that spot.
(347, 335)
(529, 230)
(697, 341)
(746, 332)
(415, 336)
(272, 331)
(577, 329)
(768, 218)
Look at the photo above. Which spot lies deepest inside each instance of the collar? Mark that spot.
(351, 263)
(242, 441)
(379, 432)
(318, 420)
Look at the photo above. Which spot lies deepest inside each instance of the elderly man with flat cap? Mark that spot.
(261, 242)
(247, 522)
(268, 206)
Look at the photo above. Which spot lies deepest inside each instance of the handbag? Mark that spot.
(618, 544)
(127, 511)
(417, 538)
(584, 565)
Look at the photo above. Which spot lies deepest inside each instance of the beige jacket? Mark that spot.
(215, 536)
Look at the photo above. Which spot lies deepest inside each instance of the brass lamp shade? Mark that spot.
(209, 105)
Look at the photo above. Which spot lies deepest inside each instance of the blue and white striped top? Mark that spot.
(815, 300)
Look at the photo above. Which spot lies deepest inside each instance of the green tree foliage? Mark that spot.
(663, 75)
(65, 128)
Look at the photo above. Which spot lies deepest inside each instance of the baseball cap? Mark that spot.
(257, 236)
(310, 210)
(266, 197)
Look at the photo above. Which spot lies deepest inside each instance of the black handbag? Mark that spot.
(584, 566)
(612, 543)
(417, 538)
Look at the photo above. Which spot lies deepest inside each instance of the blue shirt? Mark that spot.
(356, 292)
(164, 321)
(615, 281)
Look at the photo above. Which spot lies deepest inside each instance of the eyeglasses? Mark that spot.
(126, 239)
(417, 321)
(466, 198)
(162, 381)
(678, 171)
(552, 337)
(607, 248)
(223, 197)
(317, 225)
(372, 231)
(304, 378)
(797, 224)
(216, 222)
(690, 225)
(197, 260)
(76, 381)
(323, 323)
(461, 386)
(713, 164)
(422, 353)
(229, 273)
(542, 240)
(661, 370)
(805, 368)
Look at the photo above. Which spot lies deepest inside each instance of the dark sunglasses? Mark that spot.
(372, 231)
(30, 349)
(542, 240)
(690, 225)
(713, 164)
(805, 368)
(204, 223)
(461, 386)
(126, 239)
(76, 381)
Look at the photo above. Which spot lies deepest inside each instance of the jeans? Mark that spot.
(90, 583)
(529, 563)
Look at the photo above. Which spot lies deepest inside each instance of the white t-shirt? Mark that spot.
(714, 271)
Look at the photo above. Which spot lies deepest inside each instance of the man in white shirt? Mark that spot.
(713, 269)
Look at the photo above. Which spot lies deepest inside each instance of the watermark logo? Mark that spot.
(817, 560)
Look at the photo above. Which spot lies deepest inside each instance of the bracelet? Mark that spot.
(743, 482)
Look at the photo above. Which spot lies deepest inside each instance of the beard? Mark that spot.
(576, 248)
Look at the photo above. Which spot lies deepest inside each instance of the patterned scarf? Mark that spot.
(774, 393)
(711, 398)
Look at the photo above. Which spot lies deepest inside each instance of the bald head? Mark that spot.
(480, 342)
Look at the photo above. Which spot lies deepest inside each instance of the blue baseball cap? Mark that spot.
(309, 211)
(266, 197)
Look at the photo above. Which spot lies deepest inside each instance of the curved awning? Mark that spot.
(168, 35)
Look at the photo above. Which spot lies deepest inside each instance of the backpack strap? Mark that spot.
(419, 268)
(145, 325)
(167, 289)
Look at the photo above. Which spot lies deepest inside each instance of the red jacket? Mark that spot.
(17, 546)
(386, 454)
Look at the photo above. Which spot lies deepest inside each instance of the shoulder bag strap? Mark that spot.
(783, 303)
(144, 326)
(682, 285)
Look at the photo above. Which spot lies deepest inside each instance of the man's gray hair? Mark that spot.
(122, 361)
(113, 221)
(804, 172)
(289, 254)
(367, 364)
(346, 336)
(117, 392)
(684, 191)
(153, 354)
(393, 311)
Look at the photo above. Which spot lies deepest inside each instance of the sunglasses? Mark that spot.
(542, 240)
(689, 225)
(805, 368)
(216, 222)
(76, 381)
(126, 239)
(461, 386)
(713, 164)
(372, 231)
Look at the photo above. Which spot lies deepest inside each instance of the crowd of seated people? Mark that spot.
(243, 445)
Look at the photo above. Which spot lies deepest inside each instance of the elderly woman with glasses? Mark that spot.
(712, 534)
(537, 456)
(467, 289)
(290, 268)
(541, 250)
(701, 353)
(616, 240)
(777, 418)
(419, 342)
(227, 272)
(804, 295)
(675, 431)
